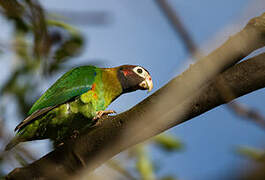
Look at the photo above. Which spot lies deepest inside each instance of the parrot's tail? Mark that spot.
(12, 143)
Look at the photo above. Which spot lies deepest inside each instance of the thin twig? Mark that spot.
(178, 26)
(241, 110)
(248, 113)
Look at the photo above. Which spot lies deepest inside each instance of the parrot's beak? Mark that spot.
(147, 83)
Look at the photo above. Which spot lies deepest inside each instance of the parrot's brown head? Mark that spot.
(133, 78)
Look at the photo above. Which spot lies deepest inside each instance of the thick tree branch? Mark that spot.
(186, 96)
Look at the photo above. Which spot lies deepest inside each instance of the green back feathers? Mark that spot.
(73, 83)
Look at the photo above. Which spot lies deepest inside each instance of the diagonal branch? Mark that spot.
(186, 96)
(177, 25)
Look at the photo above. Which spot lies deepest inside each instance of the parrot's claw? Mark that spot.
(102, 113)
(60, 144)
(75, 134)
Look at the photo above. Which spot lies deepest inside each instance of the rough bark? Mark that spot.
(186, 96)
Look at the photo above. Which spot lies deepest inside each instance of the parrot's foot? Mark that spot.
(102, 113)
(60, 144)
(75, 134)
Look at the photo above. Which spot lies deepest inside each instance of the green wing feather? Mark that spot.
(73, 83)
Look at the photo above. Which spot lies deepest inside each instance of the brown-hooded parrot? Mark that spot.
(76, 100)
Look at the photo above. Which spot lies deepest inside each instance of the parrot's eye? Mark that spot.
(139, 71)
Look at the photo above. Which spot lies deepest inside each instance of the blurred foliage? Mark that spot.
(141, 156)
(69, 48)
(39, 46)
(168, 142)
(255, 154)
(144, 164)
(119, 167)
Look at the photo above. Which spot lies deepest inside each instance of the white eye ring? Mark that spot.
(140, 71)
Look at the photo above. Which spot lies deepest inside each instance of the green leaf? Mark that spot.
(252, 153)
(144, 164)
(168, 142)
(71, 45)
(69, 48)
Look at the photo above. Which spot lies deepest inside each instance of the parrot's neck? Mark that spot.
(111, 86)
